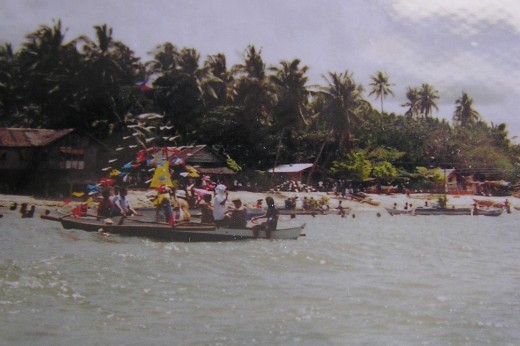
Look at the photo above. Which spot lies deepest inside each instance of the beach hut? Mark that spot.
(44, 161)
(293, 171)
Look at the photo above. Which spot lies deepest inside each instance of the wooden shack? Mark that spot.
(44, 161)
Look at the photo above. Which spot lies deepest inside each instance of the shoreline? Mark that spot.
(138, 200)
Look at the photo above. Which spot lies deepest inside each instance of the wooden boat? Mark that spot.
(486, 203)
(488, 211)
(182, 232)
(252, 212)
(362, 198)
(441, 211)
(396, 211)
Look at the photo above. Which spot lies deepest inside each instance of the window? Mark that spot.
(72, 158)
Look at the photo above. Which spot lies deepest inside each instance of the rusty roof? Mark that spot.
(19, 137)
(198, 154)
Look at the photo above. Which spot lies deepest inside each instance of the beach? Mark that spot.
(373, 202)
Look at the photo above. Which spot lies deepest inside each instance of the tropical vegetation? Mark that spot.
(257, 114)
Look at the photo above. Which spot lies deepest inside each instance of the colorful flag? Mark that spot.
(161, 176)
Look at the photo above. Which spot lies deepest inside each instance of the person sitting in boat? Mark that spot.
(272, 218)
(206, 209)
(105, 206)
(122, 207)
(237, 215)
(181, 206)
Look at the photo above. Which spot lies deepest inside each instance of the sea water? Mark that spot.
(372, 279)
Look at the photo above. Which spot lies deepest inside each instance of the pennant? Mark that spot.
(114, 173)
(146, 85)
(78, 194)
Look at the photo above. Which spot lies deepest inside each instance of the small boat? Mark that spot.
(182, 232)
(395, 211)
(363, 198)
(488, 211)
(252, 212)
(441, 211)
(486, 203)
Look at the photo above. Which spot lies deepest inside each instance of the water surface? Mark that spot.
(402, 280)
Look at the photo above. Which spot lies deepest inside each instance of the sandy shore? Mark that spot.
(138, 199)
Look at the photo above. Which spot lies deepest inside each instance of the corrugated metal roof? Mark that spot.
(198, 154)
(19, 137)
(291, 168)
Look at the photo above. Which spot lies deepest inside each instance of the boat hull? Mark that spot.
(392, 211)
(488, 212)
(185, 232)
(442, 211)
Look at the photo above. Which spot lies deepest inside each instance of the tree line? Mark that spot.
(258, 114)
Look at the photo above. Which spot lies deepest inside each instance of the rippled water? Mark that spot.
(424, 280)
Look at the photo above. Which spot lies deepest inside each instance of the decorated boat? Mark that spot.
(182, 232)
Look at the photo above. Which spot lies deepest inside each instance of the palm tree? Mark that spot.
(49, 69)
(427, 99)
(343, 106)
(412, 94)
(381, 86)
(253, 91)
(464, 114)
(109, 67)
(289, 81)
(219, 80)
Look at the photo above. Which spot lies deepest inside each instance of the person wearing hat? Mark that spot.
(182, 207)
(272, 218)
(237, 215)
(219, 206)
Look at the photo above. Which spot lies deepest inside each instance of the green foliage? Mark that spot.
(442, 200)
(355, 167)
(431, 174)
(259, 114)
(232, 164)
(384, 171)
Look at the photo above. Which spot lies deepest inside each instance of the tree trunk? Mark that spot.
(277, 156)
(316, 161)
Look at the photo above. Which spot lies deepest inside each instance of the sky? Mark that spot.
(456, 46)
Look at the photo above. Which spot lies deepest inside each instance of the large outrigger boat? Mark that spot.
(182, 231)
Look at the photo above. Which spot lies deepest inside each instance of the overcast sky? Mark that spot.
(454, 45)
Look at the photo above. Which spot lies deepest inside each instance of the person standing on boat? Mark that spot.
(219, 207)
(272, 218)
(162, 202)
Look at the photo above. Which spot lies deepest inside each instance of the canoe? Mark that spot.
(488, 211)
(182, 232)
(294, 212)
(441, 211)
(393, 211)
(487, 203)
